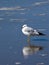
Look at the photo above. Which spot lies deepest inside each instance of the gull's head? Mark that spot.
(25, 25)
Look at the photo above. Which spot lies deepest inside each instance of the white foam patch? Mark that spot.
(40, 14)
(40, 63)
(41, 29)
(40, 3)
(22, 13)
(13, 8)
(21, 20)
(44, 54)
(17, 63)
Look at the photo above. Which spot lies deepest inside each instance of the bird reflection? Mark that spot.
(31, 49)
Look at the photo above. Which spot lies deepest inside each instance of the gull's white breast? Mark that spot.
(24, 30)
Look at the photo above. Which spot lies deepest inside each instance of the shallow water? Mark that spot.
(12, 41)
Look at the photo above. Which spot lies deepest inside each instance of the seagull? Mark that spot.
(29, 31)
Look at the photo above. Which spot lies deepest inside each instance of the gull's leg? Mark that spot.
(28, 40)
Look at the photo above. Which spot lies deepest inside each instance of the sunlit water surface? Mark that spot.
(14, 49)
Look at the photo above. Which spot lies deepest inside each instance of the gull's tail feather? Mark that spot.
(42, 34)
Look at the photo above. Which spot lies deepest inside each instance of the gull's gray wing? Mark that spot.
(29, 30)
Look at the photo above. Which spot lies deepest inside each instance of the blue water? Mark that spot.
(12, 40)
